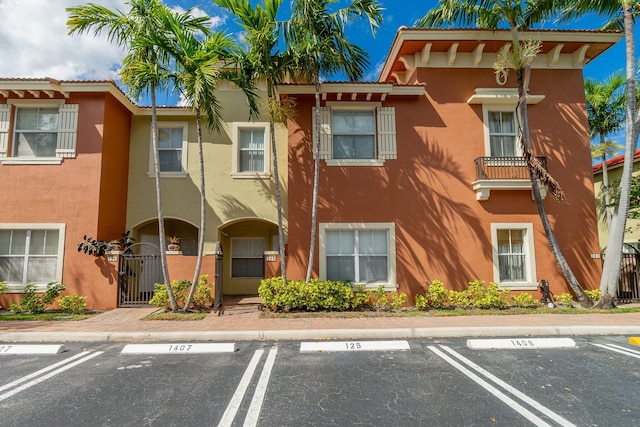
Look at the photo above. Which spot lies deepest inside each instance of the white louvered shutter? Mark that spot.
(325, 132)
(5, 113)
(67, 131)
(387, 147)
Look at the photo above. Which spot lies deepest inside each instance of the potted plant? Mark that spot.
(174, 243)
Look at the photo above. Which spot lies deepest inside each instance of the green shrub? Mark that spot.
(594, 294)
(564, 299)
(34, 303)
(485, 297)
(436, 295)
(459, 299)
(3, 288)
(421, 302)
(181, 288)
(386, 301)
(317, 295)
(525, 300)
(74, 304)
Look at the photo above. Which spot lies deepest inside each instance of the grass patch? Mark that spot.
(169, 315)
(47, 316)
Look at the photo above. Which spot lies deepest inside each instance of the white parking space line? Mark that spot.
(47, 376)
(42, 371)
(179, 348)
(261, 390)
(306, 347)
(621, 350)
(491, 389)
(8, 349)
(520, 343)
(232, 409)
(515, 392)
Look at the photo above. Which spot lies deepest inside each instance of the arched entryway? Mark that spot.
(187, 232)
(244, 243)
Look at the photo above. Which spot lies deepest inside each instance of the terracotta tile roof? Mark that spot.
(616, 161)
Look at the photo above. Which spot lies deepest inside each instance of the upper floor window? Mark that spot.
(356, 133)
(172, 149)
(43, 131)
(31, 253)
(251, 155)
(502, 134)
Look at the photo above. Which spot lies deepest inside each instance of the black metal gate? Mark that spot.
(137, 276)
(628, 279)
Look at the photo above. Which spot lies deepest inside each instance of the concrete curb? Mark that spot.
(317, 334)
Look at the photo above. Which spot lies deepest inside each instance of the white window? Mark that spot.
(513, 256)
(360, 253)
(43, 132)
(356, 133)
(247, 257)
(251, 150)
(172, 150)
(31, 253)
(502, 134)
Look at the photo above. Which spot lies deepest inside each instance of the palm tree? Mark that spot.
(266, 61)
(606, 113)
(200, 64)
(516, 15)
(143, 69)
(622, 14)
(317, 41)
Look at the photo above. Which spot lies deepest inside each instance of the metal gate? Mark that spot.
(628, 278)
(137, 276)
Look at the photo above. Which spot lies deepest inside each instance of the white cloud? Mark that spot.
(34, 42)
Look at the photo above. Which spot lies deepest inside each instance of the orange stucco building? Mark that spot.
(421, 177)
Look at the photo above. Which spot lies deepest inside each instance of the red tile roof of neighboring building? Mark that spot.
(615, 161)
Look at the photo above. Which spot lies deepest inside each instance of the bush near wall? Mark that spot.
(202, 298)
(325, 295)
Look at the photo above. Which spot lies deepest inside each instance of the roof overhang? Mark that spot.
(477, 48)
(354, 90)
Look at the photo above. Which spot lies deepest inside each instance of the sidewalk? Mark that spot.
(243, 322)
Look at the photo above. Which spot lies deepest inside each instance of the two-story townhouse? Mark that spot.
(421, 175)
(240, 191)
(63, 167)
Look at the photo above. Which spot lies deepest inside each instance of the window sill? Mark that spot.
(368, 286)
(169, 174)
(518, 286)
(355, 162)
(32, 161)
(15, 288)
(250, 175)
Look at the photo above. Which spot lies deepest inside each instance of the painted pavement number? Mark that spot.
(7, 349)
(520, 343)
(306, 347)
(179, 348)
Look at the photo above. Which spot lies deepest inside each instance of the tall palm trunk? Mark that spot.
(203, 213)
(271, 93)
(316, 178)
(605, 184)
(611, 268)
(161, 231)
(584, 300)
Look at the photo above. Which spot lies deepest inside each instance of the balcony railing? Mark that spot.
(504, 167)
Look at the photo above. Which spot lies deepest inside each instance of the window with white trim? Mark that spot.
(31, 253)
(172, 149)
(502, 133)
(247, 257)
(513, 255)
(43, 131)
(362, 253)
(251, 150)
(356, 133)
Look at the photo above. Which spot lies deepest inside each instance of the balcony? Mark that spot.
(503, 173)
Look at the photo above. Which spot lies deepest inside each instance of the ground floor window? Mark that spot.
(247, 257)
(31, 253)
(513, 255)
(362, 253)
